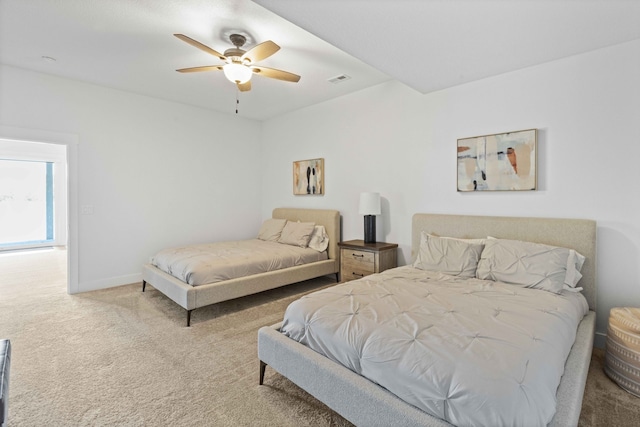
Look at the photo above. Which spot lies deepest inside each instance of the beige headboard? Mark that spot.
(577, 234)
(329, 218)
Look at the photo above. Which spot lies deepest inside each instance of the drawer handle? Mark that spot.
(357, 274)
(356, 255)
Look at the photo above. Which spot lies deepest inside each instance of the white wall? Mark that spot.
(159, 173)
(155, 173)
(402, 144)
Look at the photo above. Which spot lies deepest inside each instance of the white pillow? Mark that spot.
(478, 241)
(319, 239)
(532, 265)
(575, 261)
(454, 257)
(271, 229)
(297, 233)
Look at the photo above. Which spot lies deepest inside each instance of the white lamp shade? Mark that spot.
(237, 73)
(369, 204)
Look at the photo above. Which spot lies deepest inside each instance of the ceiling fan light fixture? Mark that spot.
(237, 73)
(239, 63)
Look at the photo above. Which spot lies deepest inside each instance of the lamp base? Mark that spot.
(369, 228)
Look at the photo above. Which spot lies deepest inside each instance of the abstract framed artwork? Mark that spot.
(499, 162)
(308, 177)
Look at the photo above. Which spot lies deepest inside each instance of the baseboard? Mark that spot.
(599, 340)
(111, 282)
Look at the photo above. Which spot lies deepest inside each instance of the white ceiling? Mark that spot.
(426, 44)
(435, 44)
(129, 45)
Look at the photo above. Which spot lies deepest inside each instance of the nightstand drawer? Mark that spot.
(355, 257)
(358, 265)
(353, 273)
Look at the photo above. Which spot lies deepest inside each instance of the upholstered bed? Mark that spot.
(192, 296)
(364, 402)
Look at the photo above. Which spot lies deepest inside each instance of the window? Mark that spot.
(26, 202)
(33, 194)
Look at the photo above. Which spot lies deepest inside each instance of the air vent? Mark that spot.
(339, 79)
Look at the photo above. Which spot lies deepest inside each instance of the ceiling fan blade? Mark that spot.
(261, 51)
(200, 46)
(198, 69)
(244, 87)
(276, 74)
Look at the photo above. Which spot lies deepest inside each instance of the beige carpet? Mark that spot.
(123, 357)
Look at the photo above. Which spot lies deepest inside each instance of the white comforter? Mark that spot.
(215, 262)
(469, 351)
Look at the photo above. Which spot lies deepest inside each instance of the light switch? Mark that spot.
(86, 210)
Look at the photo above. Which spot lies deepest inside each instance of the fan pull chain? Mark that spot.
(237, 99)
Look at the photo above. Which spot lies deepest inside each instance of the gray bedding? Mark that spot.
(216, 262)
(469, 351)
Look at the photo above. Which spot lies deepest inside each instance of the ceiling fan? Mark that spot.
(240, 64)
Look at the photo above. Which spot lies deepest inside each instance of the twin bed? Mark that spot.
(444, 342)
(192, 284)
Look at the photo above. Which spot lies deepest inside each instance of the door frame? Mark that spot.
(71, 141)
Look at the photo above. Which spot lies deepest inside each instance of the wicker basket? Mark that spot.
(622, 358)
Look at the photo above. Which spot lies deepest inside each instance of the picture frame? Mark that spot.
(498, 162)
(308, 177)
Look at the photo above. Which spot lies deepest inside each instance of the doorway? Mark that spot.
(33, 195)
(57, 154)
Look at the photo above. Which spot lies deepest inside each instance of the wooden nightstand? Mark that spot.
(359, 259)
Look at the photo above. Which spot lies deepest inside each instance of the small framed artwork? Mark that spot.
(308, 177)
(499, 162)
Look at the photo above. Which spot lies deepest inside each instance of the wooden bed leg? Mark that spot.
(143, 285)
(337, 278)
(263, 366)
(189, 317)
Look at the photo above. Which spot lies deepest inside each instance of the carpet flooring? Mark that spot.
(120, 357)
